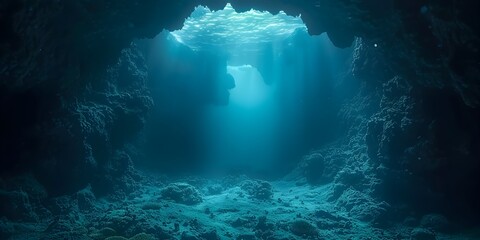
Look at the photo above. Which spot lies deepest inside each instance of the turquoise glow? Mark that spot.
(250, 90)
(282, 92)
(243, 134)
(228, 29)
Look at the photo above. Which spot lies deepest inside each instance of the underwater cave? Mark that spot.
(241, 119)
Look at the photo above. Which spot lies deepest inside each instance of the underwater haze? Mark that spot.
(268, 99)
(268, 120)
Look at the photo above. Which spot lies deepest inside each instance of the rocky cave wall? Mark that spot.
(422, 142)
(70, 79)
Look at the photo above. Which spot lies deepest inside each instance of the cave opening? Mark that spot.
(256, 93)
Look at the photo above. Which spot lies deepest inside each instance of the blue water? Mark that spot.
(243, 134)
(281, 104)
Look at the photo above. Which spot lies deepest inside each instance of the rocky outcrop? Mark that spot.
(106, 117)
(81, 140)
(257, 189)
(416, 138)
(183, 193)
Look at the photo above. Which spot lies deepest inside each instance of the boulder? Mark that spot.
(183, 193)
(303, 228)
(257, 189)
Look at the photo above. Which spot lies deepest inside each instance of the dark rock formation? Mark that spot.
(87, 139)
(417, 138)
(78, 140)
(317, 169)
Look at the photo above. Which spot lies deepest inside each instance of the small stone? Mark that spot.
(303, 228)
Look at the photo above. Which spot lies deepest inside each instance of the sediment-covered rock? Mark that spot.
(181, 193)
(303, 229)
(257, 189)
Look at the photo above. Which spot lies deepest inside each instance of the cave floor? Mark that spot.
(225, 211)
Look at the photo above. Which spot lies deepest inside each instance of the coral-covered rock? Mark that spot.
(363, 207)
(119, 175)
(393, 129)
(119, 219)
(90, 131)
(303, 228)
(181, 193)
(257, 189)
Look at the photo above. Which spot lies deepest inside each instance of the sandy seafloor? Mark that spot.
(230, 208)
